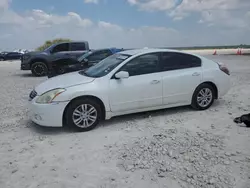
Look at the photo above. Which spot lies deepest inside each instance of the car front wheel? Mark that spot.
(83, 114)
(39, 69)
(203, 97)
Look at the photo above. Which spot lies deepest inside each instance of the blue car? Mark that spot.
(86, 60)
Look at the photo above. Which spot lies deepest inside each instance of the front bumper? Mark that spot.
(48, 115)
(25, 66)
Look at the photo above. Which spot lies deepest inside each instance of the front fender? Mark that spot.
(79, 91)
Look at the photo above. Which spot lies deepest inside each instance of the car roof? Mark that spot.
(113, 50)
(149, 50)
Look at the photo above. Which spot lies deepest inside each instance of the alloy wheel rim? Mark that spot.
(205, 97)
(39, 69)
(84, 116)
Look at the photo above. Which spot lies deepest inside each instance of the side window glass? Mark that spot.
(175, 61)
(98, 56)
(61, 48)
(144, 64)
(78, 46)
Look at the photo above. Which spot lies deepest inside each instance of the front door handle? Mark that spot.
(196, 74)
(155, 82)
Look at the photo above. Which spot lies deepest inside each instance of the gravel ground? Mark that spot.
(172, 148)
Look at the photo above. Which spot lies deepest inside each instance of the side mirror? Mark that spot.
(122, 75)
(51, 51)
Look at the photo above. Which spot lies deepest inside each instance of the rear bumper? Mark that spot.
(224, 85)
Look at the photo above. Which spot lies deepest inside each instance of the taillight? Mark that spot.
(223, 68)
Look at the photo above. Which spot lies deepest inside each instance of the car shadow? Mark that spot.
(24, 75)
(27, 75)
(143, 115)
(49, 130)
(118, 120)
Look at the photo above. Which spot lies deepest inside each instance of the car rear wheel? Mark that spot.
(83, 114)
(61, 70)
(203, 97)
(39, 69)
(1, 59)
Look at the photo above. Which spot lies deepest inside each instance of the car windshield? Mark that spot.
(105, 66)
(49, 48)
(81, 58)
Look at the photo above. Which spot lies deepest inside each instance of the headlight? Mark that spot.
(49, 96)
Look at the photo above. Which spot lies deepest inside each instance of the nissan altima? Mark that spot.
(128, 82)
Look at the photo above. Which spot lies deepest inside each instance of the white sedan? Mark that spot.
(128, 82)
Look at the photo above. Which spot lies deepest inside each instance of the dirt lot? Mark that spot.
(169, 148)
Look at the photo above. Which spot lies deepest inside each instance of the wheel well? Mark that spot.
(84, 97)
(215, 88)
(38, 60)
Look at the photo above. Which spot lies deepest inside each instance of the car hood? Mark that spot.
(63, 81)
(36, 53)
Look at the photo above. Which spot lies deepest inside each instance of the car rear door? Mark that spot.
(182, 74)
(142, 89)
(76, 49)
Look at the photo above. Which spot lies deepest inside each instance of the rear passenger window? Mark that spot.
(61, 48)
(78, 46)
(175, 61)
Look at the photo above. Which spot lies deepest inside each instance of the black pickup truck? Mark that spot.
(38, 62)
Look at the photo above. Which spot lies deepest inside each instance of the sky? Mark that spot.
(27, 24)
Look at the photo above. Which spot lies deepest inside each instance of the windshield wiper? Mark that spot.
(83, 72)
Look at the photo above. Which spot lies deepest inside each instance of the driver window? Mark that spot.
(61, 48)
(144, 64)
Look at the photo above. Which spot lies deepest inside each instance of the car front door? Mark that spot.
(182, 74)
(142, 89)
(62, 48)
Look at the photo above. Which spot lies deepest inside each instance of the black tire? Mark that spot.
(39, 69)
(1, 59)
(61, 70)
(75, 105)
(195, 104)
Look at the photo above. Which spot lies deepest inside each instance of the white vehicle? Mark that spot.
(128, 82)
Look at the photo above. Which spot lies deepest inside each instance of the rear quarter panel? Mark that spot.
(212, 73)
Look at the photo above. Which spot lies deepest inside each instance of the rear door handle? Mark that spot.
(155, 82)
(196, 74)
